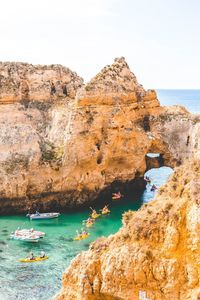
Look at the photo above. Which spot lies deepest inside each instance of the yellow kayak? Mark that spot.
(81, 237)
(95, 216)
(33, 260)
(105, 212)
(88, 225)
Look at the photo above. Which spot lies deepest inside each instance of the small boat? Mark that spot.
(95, 216)
(81, 237)
(33, 260)
(25, 232)
(42, 216)
(25, 238)
(27, 235)
(117, 196)
(88, 224)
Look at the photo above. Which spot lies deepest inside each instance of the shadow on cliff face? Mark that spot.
(131, 190)
(73, 200)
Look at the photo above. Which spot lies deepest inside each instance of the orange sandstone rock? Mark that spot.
(63, 143)
(156, 252)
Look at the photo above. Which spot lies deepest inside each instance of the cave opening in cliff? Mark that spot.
(154, 160)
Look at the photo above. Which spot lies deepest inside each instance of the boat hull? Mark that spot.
(95, 216)
(25, 239)
(27, 260)
(78, 238)
(44, 216)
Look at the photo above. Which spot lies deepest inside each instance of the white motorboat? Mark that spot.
(27, 235)
(29, 232)
(25, 238)
(40, 216)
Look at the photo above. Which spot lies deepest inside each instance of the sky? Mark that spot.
(160, 39)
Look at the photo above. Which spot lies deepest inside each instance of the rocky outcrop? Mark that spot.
(156, 253)
(116, 85)
(25, 82)
(63, 143)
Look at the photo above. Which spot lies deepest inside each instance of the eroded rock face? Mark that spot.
(116, 85)
(25, 82)
(156, 252)
(60, 151)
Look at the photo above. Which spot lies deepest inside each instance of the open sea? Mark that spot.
(188, 98)
(41, 280)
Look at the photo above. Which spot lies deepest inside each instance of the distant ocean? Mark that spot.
(188, 98)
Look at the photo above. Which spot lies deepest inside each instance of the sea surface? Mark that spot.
(188, 98)
(41, 280)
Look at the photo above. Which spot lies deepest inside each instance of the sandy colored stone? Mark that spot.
(61, 151)
(151, 253)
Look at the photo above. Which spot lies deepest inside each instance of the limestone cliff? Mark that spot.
(23, 82)
(156, 252)
(63, 143)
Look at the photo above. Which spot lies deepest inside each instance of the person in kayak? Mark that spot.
(84, 232)
(42, 254)
(153, 188)
(31, 256)
(90, 221)
(147, 179)
(105, 209)
(93, 211)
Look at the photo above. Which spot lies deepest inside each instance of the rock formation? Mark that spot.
(23, 82)
(63, 143)
(156, 253)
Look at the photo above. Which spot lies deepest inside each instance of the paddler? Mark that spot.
(84, 232)
(31, 256)
(147, 179)
(153, 188)
(89, 221)
(93, 211)
(105, 209)
(42, 254)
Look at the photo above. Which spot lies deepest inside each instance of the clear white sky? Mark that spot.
(160, 39)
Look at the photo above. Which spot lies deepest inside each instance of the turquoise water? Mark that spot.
(188, 98)
(158, 177)
(41, 280)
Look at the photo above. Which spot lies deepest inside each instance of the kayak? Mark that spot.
(33, 260)
(25, 238)
(42, 216)
(88, 225)
(81, 237)
(105, 212)
(95, 216)
(116, 197)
